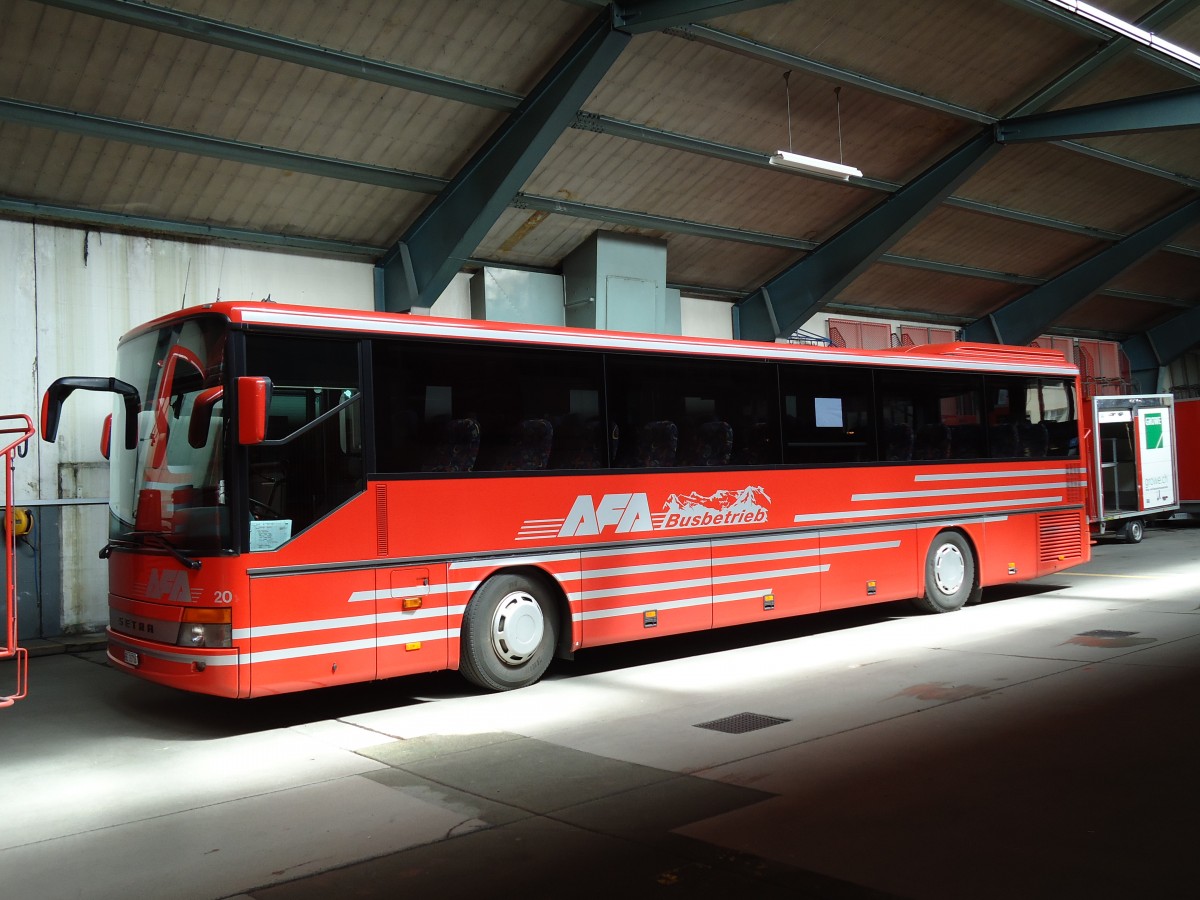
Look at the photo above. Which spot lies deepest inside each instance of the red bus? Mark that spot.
(304, 497)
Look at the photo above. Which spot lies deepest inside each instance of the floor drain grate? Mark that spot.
(741, 723)
(1101, 632)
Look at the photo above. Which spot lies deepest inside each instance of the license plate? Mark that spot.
(131, 658)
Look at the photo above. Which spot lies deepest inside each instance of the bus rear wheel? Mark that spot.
(508, 633)
(949, 574)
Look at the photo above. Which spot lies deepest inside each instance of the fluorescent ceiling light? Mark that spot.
(787, 160)
(1125, 29)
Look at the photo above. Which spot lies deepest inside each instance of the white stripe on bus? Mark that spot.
(641, 608)
(968, 476)
(950, 492)
(905, 510)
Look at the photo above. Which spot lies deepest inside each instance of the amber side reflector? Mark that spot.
(413, 645)
(219, 616)
(413, 602)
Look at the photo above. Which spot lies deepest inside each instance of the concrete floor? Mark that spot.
(1041, 744)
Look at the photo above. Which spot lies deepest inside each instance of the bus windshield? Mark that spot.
(171, 486)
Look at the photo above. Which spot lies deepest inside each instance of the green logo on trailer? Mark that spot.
(1154, 431)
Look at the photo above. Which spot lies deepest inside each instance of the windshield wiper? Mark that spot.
(157, 539)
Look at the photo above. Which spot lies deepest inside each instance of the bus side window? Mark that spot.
(678, 412)
(828, 414)
(466, 408)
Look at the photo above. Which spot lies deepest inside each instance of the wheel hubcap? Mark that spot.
(517, 627)
(948, 569)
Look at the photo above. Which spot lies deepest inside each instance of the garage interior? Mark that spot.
(1028, 174)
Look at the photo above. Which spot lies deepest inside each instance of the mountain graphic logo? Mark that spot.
(740, 507)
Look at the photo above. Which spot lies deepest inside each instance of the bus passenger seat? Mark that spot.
(1004, 442)
(752, 445)
(656, 445)
(530, 447)
(453, 448)
(577, 444)
(709, 444)
(932, 442)
(1034, 440)
(966, 441)
(899, 442)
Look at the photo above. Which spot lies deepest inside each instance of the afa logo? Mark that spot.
(628, 513)
(168, 585)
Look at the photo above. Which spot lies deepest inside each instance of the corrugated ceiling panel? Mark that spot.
(133, 180)
(723, 264)
(1054, 181)
(1129, 76)
(608, 171)
(985, 54)
(1108, 313)
(689, 87)
(1164, 274)
(1189, 238)
(1184, 31)
(505, 44)
(197, 87)
(986, 242)
(919, 290)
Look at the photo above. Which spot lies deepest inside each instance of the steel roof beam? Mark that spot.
(642, 16)
(72, 215)
(38, 116)
(1153, 350)
(434, 247)
(382, 72)
(767, 53)
(261, 43)
(1152, 112)
(1022, 320)
(175, 140)
(792, 297)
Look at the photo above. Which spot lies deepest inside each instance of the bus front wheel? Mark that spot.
(949, 574)
(508, 633)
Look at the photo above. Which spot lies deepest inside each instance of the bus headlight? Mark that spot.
(206, 628)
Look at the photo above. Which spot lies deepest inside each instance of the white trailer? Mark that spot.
(1132, 464)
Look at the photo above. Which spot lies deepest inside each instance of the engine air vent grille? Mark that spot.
(1060, 537)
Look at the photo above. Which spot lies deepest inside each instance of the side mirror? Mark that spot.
(202, 410)
(106, 437)
(254, 399)
(61, 389)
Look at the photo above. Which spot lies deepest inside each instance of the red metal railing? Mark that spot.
(22, 426)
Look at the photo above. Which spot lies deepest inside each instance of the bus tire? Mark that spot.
(1133, 531)
(950, 574)
(508, 633)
